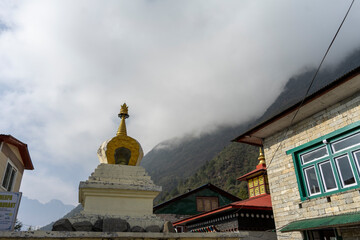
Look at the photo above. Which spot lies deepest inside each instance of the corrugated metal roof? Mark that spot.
(324, 222)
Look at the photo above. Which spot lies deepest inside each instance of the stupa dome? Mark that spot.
(121, 149)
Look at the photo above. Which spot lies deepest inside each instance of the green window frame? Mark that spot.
(329, 164)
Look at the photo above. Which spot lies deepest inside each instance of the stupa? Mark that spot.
(119, 187)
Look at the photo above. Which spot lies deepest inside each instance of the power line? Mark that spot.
(310, 85)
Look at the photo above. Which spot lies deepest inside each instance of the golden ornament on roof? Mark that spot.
(261, 157)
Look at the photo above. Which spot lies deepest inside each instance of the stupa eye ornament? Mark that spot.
(121, 149)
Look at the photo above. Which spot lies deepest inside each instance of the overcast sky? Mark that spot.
(181, 66)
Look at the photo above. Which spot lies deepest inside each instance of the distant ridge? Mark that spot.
(72, 213)
(36, 214)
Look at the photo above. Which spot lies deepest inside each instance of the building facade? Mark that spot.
(253, 214)
(313, 162)
(14, 159)
(202, 199)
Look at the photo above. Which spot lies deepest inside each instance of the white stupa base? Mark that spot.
(119, 191)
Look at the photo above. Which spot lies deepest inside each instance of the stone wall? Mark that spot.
(36, 235)
(172, 217)
(282, 179)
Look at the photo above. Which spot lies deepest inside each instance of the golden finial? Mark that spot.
(124, 110)
(261, 157)
(123, 115)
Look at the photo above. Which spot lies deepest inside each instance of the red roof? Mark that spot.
(261, 202)
(260, 169)
(24, 152)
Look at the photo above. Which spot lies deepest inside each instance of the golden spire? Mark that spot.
(261, 157)
(123, 115)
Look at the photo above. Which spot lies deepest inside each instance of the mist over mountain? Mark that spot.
(297, 85)
(188, 162)
(35, 214)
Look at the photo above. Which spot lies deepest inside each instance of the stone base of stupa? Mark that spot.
(119, 191)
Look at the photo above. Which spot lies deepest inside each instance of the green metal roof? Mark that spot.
(324, 222)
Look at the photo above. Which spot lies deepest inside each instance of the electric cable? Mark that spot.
(310, 85)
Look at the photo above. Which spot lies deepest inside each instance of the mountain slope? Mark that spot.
(233, 161)
(177, 159)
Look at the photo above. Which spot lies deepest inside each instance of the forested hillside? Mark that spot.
(234, 161)
(175, 160)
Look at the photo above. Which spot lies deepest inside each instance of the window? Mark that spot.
(9, 177)
(313, 155)
(327, 174)
(204, 204)
(321, 234)
(345, 171)
(312, 181)
(329, 164)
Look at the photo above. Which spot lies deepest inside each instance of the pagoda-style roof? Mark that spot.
(262, 202)
(260, 170)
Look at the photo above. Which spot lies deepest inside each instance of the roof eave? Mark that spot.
(250, 137)
(23, 149)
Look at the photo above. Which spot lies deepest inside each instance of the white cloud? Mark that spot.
(184, 66)
(44, 186)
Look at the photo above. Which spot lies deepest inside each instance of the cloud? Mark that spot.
(181, 66)
(42, 185)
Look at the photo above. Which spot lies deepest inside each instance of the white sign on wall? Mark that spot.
(9, 205)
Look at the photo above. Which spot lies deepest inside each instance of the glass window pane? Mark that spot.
(346, 173)
(312, 181)
(12, 179)
(328, 176)
(347, 142)
(357, 159)
(6, 179)
(313, 155)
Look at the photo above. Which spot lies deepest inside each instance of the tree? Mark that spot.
(18, 226)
